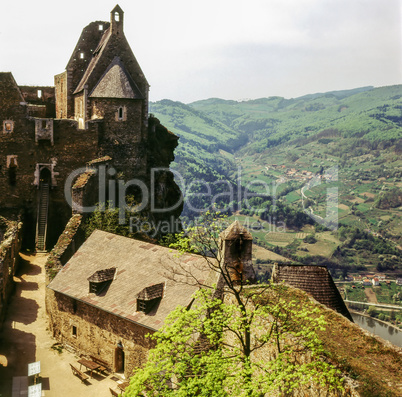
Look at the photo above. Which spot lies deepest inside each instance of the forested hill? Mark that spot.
(216, 135)
(206, 126)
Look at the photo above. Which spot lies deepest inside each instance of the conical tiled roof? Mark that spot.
(316, 281)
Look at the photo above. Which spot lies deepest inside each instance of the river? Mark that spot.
(383, 330)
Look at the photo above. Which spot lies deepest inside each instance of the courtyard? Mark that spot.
(25, 339)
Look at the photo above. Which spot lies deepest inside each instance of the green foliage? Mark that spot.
(310, 239)
(372, 311)
(390, 199)
(115, 220)
(200, 351)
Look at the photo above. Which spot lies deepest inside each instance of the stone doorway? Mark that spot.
(119, 359)
(45, 176)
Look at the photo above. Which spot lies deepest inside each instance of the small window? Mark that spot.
(74, 331)
(81, 55)
(12, 161)
(8, 126)
(39, 93)
(100, 27)
(120, 113)
(116, 16)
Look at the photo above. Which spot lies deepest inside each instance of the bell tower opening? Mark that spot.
(116, 20)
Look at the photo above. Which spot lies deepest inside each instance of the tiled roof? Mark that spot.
(151, 292)
(101, 276)
(138, 265)
(316, 281)
(116, 83)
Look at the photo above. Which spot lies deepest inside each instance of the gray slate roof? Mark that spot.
(116, 83)
(139, 265)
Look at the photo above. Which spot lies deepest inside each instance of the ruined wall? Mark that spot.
(10, 245)
(103, 127)
(67, 244)
(72, 148)
(60, 82)
(86, 45)
(97, 332)
(40, 96)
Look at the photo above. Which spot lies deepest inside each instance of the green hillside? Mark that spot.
(204, 152)
(282, 150)
(372, 113)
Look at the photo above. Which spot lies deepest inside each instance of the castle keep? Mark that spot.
(98, 109)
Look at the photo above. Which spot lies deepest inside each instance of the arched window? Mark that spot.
(116, 16)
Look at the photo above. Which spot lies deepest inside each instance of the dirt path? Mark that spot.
(371, 296)
(25, 339)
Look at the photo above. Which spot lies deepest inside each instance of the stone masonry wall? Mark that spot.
(97, 332)
(40, 95)
(123, 140)
(60, 82)
(10, 245)
(71, 150)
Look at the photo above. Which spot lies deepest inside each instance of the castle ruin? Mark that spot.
(97, 110)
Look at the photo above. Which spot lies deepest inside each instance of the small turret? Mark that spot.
(236, 248)
(116, 20)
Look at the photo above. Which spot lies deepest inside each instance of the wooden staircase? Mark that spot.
(41, 223)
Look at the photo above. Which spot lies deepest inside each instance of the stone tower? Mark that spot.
(104, 81)
(236, 250)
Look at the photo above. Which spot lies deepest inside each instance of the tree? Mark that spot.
(237, 339)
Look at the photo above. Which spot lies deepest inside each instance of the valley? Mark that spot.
(320, 176)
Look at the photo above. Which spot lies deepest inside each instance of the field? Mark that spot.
(383, 293)
(265, 255)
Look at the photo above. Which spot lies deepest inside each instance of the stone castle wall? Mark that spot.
(72, 148)
(10, 245)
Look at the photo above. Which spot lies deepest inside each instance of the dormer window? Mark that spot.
(116, 16)
(149, 297)
(101, 280)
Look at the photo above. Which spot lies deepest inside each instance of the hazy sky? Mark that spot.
(192, 50)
